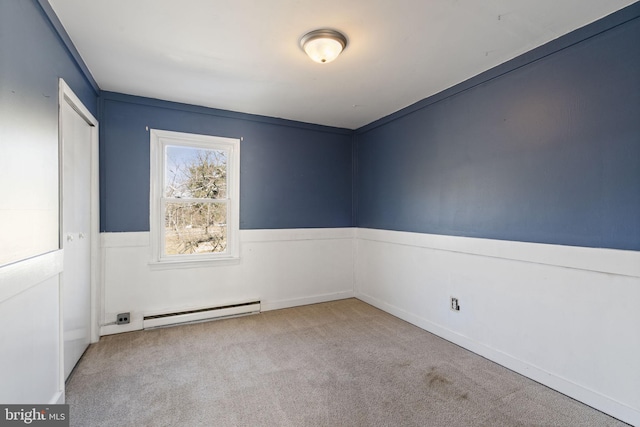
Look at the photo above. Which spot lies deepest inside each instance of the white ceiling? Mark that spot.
(243, 55)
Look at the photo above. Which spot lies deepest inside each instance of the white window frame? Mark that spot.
(159, 141)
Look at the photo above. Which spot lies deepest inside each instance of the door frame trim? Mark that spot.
(66, 94)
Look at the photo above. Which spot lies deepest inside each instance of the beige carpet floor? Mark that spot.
(343, 363)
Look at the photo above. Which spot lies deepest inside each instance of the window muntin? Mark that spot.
(194, 197)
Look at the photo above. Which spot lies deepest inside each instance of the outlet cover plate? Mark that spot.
(123, 318)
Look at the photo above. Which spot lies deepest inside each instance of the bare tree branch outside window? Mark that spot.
(195, 200)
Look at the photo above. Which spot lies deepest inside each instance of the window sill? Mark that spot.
(191, 263)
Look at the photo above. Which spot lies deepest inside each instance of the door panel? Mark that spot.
(76, 235)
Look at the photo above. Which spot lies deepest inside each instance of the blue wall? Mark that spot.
(544, 149)
(33, 55)
(292, 175)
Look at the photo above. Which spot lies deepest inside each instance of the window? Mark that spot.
(194, 197)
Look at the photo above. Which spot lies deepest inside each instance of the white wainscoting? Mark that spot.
(564, 316)
(30, 337)
(281, 268)
(567, 317)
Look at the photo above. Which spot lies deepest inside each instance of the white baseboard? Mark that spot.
(133, 325)
(57, 399)
(137, 324)
(589, 397)
(295, 302)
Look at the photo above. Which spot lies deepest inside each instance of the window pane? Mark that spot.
(197, 173)
(195, 228)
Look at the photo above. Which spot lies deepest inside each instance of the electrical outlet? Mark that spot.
(454, 304)
(123, 318)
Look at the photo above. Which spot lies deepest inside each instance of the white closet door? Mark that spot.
(76, 235)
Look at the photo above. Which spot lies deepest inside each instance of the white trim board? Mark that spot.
(22, 275)
(124, 240)
(626, 263)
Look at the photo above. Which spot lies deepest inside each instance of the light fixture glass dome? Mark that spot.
(323, 46)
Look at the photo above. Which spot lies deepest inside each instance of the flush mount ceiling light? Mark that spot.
(323, 45)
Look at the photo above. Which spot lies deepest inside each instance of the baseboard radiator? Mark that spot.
(201, 314)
